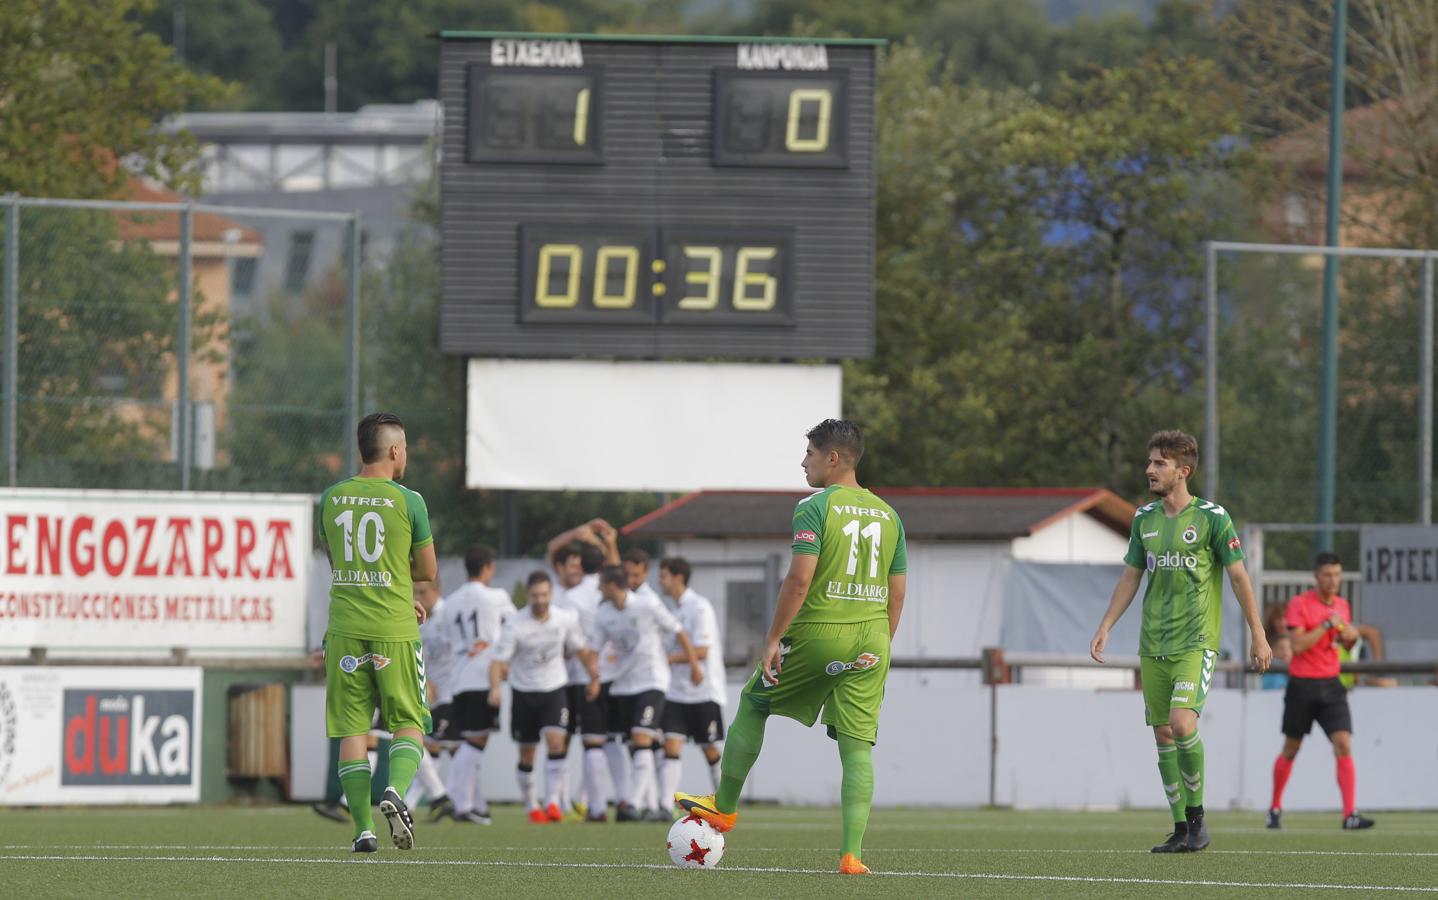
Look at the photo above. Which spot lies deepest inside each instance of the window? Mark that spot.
(298, 266)
(242, 276)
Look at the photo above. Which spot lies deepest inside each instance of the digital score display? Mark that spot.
(656, 198)
(780, 119)
(545, 116)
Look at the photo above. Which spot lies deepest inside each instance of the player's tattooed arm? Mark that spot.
(591, 665)
(791, 598)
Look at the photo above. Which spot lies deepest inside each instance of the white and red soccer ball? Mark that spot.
(694, 844)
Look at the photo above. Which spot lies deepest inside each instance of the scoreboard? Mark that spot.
(656, 197)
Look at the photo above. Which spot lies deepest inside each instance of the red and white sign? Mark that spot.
(119, 571)
(99, 735)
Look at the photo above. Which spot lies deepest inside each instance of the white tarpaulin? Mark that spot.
(642, 426)
(121, 571)
(99, 735)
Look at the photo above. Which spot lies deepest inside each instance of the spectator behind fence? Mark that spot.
(1276, 629)
(1318, 623)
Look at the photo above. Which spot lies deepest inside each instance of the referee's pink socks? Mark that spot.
(1346, 784)
(1282, 768)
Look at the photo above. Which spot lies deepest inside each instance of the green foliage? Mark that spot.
(96, 347)
(81, 87)
(1037, 309)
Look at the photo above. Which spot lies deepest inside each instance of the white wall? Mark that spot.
(1078, 538)
(1058, 748)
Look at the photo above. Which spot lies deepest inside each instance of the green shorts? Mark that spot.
(1180, 681)
(362, 674)
(839, 669)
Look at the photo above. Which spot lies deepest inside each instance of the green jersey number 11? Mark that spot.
(873, 536)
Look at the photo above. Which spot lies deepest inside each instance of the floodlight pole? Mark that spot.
(1328, 381)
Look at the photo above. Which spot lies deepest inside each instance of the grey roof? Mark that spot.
(388, 123)
(959, 514)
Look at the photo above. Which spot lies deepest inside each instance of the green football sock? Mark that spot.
(857, 792)
(404, 756)
(741, 749)
(1190, 766)
(1168, 771)
(354, 778)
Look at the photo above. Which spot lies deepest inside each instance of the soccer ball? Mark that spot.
(694, 844)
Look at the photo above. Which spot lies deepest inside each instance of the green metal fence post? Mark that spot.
(352, 302)
(1328, 382)
(12, 330)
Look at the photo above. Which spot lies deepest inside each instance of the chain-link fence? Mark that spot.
(169, 345)
(1265, 365)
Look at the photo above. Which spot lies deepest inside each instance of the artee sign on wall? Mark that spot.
(99, 735)
(1400, 588)
(120, 572)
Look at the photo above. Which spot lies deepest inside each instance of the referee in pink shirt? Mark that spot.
(1318, 619)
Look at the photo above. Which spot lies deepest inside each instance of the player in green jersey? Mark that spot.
(379, 543)
(828, 647)
(1185, 543)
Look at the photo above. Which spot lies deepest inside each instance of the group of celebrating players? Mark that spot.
(595, 654)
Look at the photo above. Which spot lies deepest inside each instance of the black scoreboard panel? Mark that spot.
(652, 198)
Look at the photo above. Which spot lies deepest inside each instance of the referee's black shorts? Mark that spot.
(1321, 700)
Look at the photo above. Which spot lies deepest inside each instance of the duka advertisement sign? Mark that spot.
(71, 734)
(115, 572)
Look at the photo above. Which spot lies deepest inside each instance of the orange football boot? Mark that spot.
(849, 865)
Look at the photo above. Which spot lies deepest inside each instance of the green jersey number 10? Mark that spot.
(370, 538)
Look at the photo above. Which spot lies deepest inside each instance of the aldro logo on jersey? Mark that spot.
(1171, 561)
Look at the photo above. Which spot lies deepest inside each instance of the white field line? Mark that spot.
(968, 876)
(484, 848)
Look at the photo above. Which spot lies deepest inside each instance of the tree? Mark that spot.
(237, 41)
(1038, 311)
(81, 87)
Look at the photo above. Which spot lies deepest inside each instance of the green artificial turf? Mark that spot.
(780, 852)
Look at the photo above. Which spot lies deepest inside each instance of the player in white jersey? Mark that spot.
(473, 616)
(532, 646)
(636, 569)
(636, 627)
(576, 556)
(443, 736)
(691, 712)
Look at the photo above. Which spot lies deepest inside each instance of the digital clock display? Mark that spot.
(786, 119)
(535, 115)
(695, 275)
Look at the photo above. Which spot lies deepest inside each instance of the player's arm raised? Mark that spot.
(1123, 594)
(791, 598)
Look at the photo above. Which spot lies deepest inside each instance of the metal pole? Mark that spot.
(352, 302)
(1210, 371)
(12, 330)
(1328, 381)
(1425, 399)
(182, 352)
